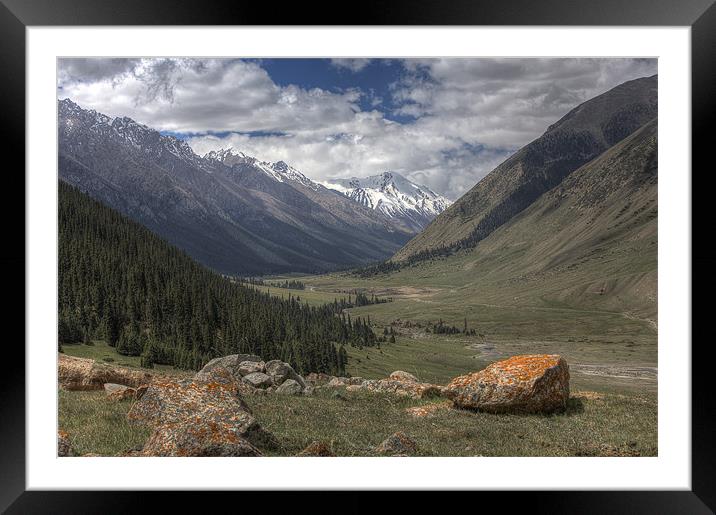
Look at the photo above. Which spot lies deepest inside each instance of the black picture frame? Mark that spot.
(17, 15)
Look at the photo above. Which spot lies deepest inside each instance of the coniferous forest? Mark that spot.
(120, 282)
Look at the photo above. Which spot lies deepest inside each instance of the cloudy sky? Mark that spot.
(444, 123)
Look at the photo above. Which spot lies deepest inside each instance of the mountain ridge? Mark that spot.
(578, 137)
(233, 218)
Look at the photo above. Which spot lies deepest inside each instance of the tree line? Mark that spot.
(120, 282)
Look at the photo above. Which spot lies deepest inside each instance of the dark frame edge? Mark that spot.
(703, 107)
(12, 384)
(701, 16)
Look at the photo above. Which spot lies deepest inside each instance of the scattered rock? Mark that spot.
(397, 444)
(354, 388)
(317, 449)
(64, 448)
(230, 363)
(353, 381)
(337, 382)
(520, 384)
(317, 379)
(119, 392)
(198, 418)
(249, 367)
(289, 387)
(405, 377)
(86, 374)
(280, 371)
(308, 390)
(258, 380)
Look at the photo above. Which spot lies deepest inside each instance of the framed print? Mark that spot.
(435, 253)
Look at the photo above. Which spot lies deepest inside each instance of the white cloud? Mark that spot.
(354, 65)
(467, 114)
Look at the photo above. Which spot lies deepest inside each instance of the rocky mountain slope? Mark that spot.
(583, 134)
(395, 196)
(228, 211)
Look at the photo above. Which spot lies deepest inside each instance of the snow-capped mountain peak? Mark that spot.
(393, 195)
(279, 171)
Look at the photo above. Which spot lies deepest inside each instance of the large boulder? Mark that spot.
(198, 418)
(119, 392)
(258, 380)
(289, 387)
(230, 363)
(521, 384)
(86, 374)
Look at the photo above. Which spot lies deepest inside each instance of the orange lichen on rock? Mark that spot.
(521, 384)
(198, 418)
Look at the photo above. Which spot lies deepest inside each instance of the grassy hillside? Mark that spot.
(580, 136)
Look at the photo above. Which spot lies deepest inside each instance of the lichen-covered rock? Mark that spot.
(119, 392)
(397, 444)
(198, 418)
(86, 374)
(140, 391)
(354, 388)
(355, 380)
(249, 367)
(289, 387)
(405, 377)
(521, 384)
(317, 449)
(230, 363)
(188, 438)
(64, 448)
(258, 380)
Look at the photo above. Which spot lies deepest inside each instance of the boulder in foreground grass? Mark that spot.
(63, 444)
(398, 444)
(86, 374)
(198, 418)
(521, 384)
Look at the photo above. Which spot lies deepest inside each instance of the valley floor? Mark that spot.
(595, 424)
(612, 358)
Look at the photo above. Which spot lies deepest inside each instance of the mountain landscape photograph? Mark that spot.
(357, 257)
